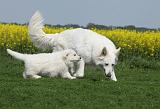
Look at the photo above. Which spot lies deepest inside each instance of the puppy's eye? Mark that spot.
(113, 64)
(106, 64)
(74, 54)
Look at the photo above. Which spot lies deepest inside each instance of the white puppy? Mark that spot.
(51, 64)
(92, 47)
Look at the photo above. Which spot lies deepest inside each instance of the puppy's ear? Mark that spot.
(65, 56)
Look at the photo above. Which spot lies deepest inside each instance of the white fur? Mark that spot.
(51, 64)
(86, 43)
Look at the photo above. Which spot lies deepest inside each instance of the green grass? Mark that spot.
(137, 88)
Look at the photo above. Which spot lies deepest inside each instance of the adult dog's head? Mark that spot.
(108, 60)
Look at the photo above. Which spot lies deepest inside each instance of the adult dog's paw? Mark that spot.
(78, 75)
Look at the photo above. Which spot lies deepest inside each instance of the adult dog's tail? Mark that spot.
(16, 55)
(37, 35)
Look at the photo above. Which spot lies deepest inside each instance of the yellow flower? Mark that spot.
(147, 43)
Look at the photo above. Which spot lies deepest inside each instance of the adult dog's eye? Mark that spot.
(106, 64)
(74, 54)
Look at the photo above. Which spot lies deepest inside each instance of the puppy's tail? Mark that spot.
(16, 55)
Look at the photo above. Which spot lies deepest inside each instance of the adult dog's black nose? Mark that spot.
(108, 75)
(80, 58)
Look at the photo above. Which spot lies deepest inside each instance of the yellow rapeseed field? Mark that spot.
(145, 43)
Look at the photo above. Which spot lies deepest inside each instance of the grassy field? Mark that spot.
(138, 87)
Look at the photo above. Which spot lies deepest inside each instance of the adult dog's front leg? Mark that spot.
(80, 69)
(67, 75)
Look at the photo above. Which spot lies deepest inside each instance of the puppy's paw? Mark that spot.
(36, 76)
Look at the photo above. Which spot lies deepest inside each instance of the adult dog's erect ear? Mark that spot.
(118, 51)
(104, 52)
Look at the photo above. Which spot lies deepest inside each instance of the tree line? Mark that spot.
(98, 26)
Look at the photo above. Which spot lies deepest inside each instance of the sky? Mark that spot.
(141, 13)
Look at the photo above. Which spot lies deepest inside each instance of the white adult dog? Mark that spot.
(92, 47)
(51, 64)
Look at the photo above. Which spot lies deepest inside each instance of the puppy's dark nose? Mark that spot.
(80, 58)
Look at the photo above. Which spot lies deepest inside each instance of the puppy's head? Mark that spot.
(71, 56)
